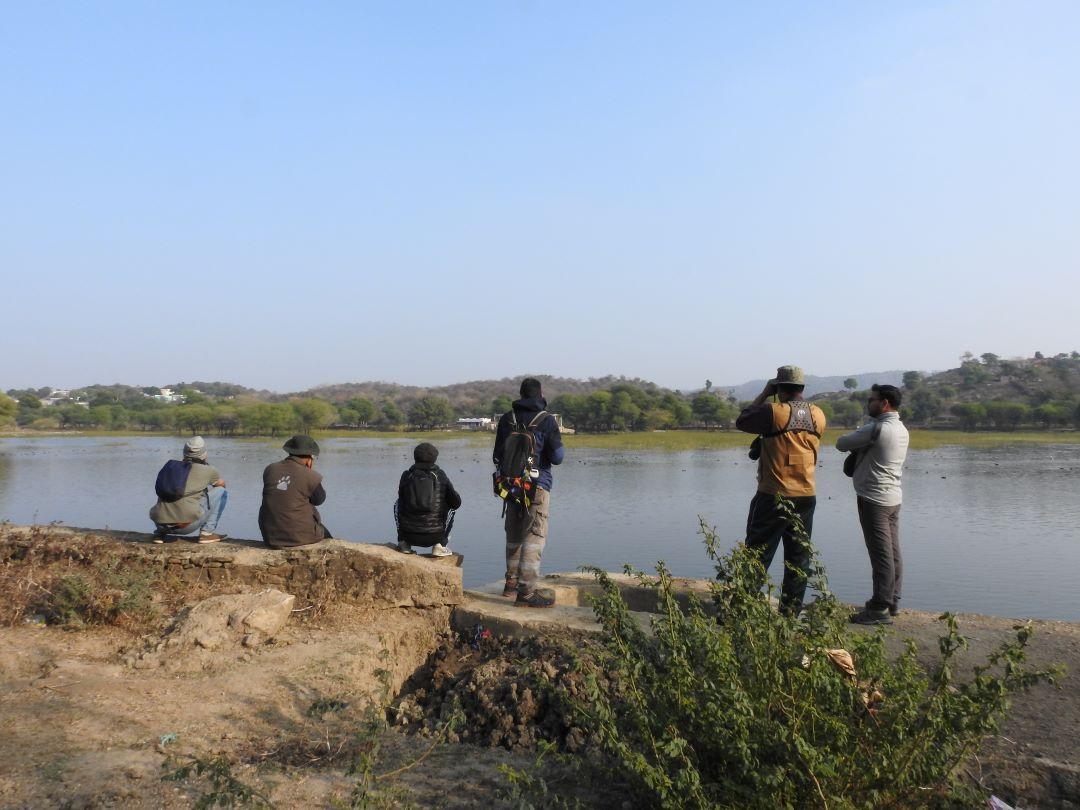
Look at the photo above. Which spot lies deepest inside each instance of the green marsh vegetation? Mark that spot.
(688, 440)
(670, 441)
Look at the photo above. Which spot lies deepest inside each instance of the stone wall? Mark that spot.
(365, 575)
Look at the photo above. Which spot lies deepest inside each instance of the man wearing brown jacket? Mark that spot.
(291, 491)
(790, 431)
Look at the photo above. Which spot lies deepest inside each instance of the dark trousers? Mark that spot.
(881, 531)
(767, 527)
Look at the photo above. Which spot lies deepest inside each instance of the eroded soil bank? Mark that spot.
(93, 716)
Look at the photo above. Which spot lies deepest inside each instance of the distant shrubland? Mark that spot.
(985, 392)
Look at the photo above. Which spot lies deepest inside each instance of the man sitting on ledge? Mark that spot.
(291, 491)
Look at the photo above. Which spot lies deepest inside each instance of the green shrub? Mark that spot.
(106, 592)
(748, 708)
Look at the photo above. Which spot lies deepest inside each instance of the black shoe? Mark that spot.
(536, 599)
(894, 609)
(871, 616)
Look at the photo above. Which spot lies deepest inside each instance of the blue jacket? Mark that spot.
(549, 446)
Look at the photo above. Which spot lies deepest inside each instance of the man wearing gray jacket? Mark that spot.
(882, 445)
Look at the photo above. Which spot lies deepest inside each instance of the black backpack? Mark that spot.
(172, 480)
(514, 478)
(420, 492)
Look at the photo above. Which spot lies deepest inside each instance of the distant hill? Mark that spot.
(221, 389)
(1029, 380)
(820, 385)
(983, 392)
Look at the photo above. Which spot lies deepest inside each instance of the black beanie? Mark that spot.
(425, 453)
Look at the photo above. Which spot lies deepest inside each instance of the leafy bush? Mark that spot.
(751, 708)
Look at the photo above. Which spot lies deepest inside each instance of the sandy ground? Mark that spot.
(79, 728)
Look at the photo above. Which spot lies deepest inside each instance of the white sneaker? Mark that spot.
(404, 548)
(439, 550)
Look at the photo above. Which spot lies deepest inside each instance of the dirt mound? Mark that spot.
(514, 692)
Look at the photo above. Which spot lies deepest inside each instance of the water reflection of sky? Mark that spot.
(986, 530)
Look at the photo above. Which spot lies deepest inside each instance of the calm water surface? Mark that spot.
(993, 531)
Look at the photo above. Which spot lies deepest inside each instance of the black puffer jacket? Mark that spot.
(432, 522)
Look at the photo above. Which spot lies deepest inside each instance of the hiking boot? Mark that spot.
(894, 610)
(510, 587)
(871, 616)
(439, 550)
(536, 599)
(210, 537)
(405, 548)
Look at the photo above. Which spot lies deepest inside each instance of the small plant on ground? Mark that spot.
(747, 707)
(529, 789)
(225, 790)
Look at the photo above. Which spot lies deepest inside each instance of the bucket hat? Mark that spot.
(301, 446)
(788, 375)
(195, 448)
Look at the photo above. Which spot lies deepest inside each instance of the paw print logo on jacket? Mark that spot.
(284, 481)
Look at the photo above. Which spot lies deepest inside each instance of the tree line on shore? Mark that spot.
(983, 393)
(623, 407)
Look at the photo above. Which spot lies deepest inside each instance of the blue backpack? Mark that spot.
(172, 480)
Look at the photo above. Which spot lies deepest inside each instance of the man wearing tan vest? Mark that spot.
(790, 431)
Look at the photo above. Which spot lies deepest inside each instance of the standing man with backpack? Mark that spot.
(527, 444)
(790, 432)
(424, 509)
(191, 496)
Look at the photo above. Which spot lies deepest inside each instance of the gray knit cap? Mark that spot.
(195, 449)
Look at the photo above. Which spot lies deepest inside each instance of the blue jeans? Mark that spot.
(216, 498)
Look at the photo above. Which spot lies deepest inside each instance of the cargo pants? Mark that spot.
(526, 535)
(881, 531)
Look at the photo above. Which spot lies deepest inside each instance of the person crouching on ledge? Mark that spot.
(424, 510)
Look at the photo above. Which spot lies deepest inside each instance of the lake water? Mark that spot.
(993, 531)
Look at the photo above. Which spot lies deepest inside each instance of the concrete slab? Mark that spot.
(499, 615)
(577, 587)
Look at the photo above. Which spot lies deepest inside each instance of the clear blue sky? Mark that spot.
(287, 194)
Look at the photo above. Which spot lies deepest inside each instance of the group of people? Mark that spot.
(192, 497)
(789, 430)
